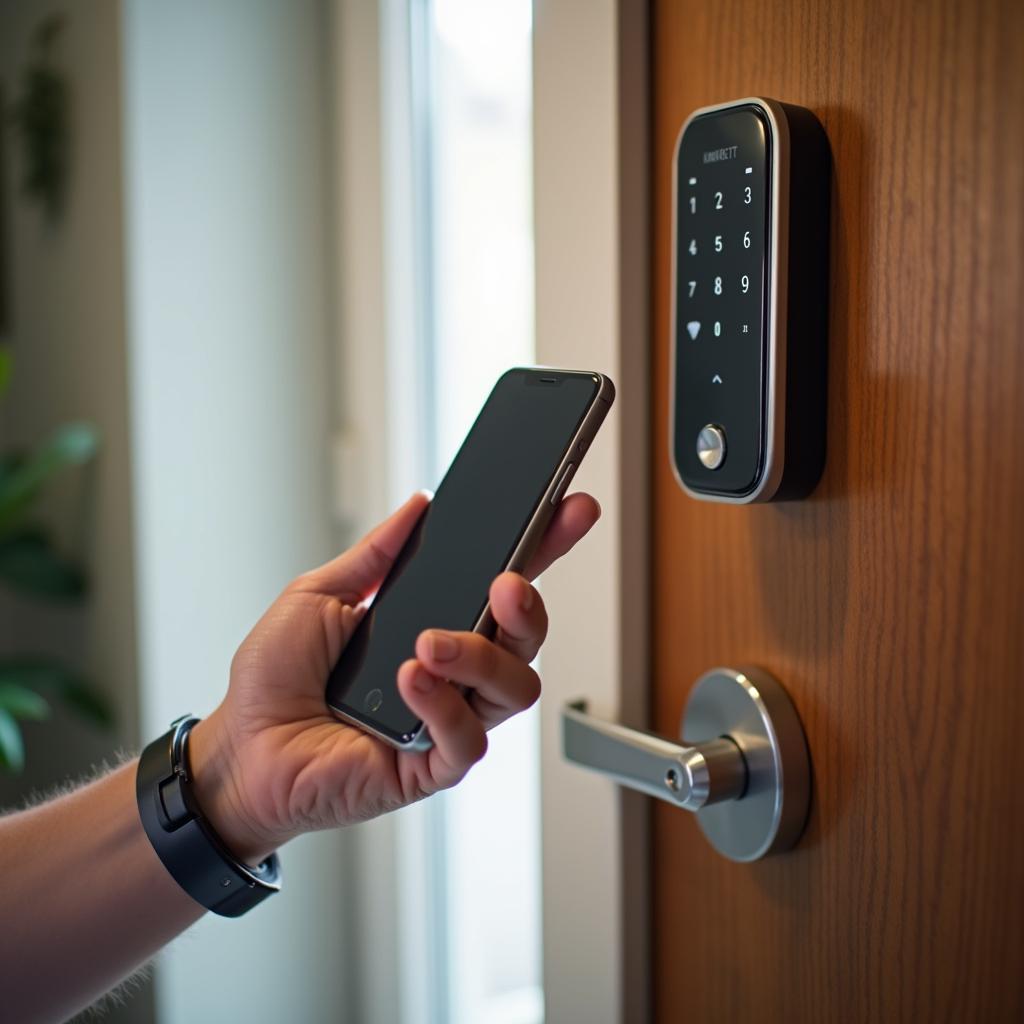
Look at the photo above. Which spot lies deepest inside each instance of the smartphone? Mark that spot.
(487, 516)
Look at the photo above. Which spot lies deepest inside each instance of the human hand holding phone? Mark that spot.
(272, 761)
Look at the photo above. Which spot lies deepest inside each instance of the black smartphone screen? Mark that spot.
(463, 540)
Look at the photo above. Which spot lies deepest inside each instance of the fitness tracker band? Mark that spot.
(185, 842)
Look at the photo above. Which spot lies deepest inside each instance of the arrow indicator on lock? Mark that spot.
(694, 328)
(716, 379)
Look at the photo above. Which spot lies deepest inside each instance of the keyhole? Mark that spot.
(672, 780)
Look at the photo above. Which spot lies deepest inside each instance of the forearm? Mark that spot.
(84, 900)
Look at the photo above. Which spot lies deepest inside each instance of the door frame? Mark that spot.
(592, 235)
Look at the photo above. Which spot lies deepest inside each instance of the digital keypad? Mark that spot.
(723, 192)
(750, 306)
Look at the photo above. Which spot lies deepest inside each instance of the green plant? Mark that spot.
(41, 115)
(32, 565)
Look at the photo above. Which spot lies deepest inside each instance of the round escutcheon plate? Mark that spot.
(752, 709)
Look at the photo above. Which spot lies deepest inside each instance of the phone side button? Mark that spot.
(563, 484)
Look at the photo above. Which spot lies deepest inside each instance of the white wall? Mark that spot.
(228, 220)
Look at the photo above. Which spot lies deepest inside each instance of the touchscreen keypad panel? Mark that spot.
(722, 286)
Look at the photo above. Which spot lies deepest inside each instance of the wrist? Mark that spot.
(213, 768)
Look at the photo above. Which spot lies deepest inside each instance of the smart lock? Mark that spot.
(750, 302)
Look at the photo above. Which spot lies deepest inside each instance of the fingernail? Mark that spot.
(527, 602)
(423, 682)
(443, 647)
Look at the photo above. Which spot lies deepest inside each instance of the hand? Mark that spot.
(272, 761)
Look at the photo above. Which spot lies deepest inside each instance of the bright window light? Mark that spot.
(482, 309)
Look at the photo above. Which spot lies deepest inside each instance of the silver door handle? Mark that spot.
(742, 765)
(689, 777)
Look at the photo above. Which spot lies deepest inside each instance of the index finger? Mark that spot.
(573, 520)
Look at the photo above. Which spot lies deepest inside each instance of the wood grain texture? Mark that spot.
(891, 604)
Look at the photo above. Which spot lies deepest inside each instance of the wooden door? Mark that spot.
(890, 604)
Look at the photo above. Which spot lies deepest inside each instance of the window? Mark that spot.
(471, 122)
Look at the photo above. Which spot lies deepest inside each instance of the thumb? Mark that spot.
(354, 574)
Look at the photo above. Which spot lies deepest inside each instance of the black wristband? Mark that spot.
(184, 841)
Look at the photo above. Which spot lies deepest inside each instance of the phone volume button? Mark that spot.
(563, 484)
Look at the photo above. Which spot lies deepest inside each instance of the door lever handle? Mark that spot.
(689, 777)
(742, 765)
